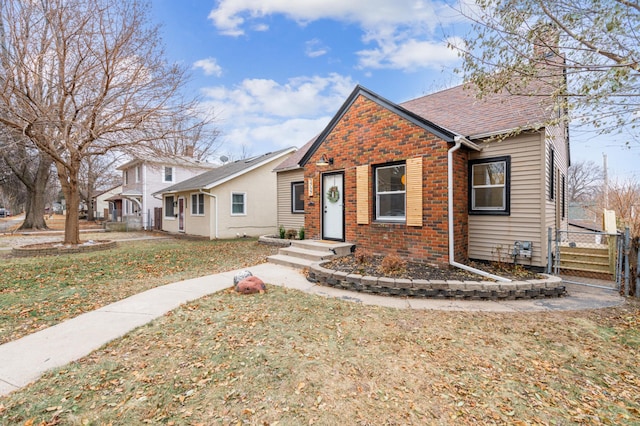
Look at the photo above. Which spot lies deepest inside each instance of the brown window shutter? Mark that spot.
(362, 195)
(414, 191)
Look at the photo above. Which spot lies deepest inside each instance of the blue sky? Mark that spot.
(274, 72)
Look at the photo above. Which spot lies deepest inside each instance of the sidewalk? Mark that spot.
(24, 360)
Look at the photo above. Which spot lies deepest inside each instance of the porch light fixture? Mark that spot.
(324, 161)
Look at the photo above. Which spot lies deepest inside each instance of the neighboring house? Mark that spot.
(235, 199)
(439, 179)
(104, 203)
(143, 177)
(290, 177)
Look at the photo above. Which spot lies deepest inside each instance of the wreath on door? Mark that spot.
(333, 194)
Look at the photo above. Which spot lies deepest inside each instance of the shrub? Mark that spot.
(392, 264)
(281, 231)
(291, 234)
(301, 233)
(362, 256)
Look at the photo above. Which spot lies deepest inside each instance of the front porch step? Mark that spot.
(302, 253)
(290, 261)
(337, 248)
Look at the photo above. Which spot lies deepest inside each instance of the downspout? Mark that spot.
(215, 197)
(452, 262)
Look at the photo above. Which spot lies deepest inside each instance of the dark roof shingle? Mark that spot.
(459, 110)
(225, 172)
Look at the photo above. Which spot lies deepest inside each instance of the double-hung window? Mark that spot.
(489, 185)
(168, 174)
(390, 192)
(238, 203)
(297, 197)
(197, 204)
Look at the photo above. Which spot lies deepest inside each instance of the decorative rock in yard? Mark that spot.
(251, 285)
(241, 276)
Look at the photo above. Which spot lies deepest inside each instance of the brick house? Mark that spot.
(392, 178)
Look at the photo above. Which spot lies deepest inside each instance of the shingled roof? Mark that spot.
(293, 161)
(458, 110)
(225, 172)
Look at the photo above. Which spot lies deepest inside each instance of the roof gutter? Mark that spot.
(459, 141)
(513, 130)
(215, 197)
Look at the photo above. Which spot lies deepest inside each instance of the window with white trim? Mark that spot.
(297, 197)
(138, 173)
(197, 204)
(489, 183)
(238, 203)
(390, 192)
(169, 206)
(168, 174)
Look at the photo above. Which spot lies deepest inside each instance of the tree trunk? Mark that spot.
(71, 190)
(72, 219)
(35, 205)
(91, 183)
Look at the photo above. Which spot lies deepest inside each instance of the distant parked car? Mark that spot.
(4, 212)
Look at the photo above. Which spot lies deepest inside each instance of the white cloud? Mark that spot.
(402, 32)
(315, 48)
(230, 15)
(299, 97)
(209, 66)
(260, 112)
(409, 54)
(259, 139)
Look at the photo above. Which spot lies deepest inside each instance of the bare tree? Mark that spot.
(97, 173)
(624, 199)
(194, 138)
(584, 181)
(32, 168)
(81, 78)
(599, 41)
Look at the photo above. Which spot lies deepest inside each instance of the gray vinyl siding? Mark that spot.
(491, 238)
(555, 137)
(286, 218)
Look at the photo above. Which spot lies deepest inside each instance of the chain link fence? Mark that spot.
(587, 254)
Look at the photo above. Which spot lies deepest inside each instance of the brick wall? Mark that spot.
(369, 134)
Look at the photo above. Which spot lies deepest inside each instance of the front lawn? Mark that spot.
(290, 358)
(38, 292)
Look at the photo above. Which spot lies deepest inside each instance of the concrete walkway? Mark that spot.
(25, 360)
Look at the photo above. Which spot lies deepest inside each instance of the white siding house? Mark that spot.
(143, 177)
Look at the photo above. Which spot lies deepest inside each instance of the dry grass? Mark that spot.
(38, 292)
(290, 358)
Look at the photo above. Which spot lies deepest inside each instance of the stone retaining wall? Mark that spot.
(50, 251)
(550, 286)
(274, 241)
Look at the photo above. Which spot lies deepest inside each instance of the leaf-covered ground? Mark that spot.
(38, 292)
(375, 266)
(289, 358)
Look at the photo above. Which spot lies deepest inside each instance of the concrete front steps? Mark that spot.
(303, 253)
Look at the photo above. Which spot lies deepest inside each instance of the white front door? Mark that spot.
(333, 206)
